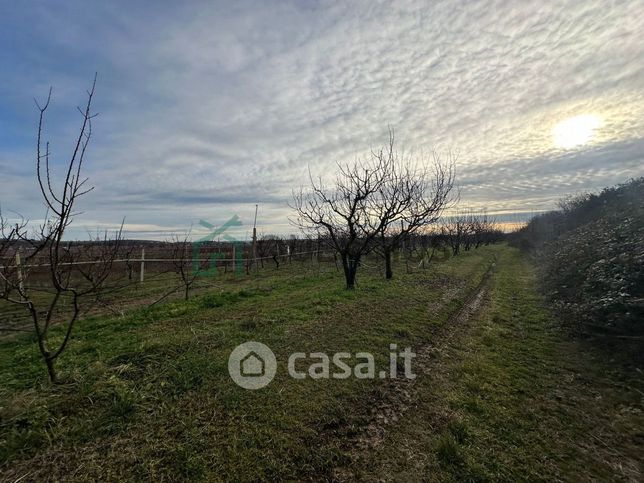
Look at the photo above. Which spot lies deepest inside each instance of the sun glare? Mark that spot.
(576, 130)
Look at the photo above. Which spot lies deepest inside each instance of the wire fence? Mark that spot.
(143, 276)
(142, 260)
(145, 280)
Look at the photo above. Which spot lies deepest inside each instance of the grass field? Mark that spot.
(500, 392)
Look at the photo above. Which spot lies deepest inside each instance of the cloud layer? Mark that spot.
(207, 109)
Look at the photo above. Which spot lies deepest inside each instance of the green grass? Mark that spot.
(148, 394)
(123, 295)
(514, 399)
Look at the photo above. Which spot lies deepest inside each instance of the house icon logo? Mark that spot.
(252, 365)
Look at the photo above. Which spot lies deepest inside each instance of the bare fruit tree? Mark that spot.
(11, 272)
(74, 274)
(183, 264)
(470, 229)
(455, 230)
(485, 229)
(268, 247)
(376, 204)
(340, 213)
(413, 196)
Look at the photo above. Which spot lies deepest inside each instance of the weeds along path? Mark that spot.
(399, 395)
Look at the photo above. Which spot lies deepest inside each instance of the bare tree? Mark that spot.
(181, 255)
(413, 196)
(484, 229)
(469, 222)
(75, 274)
(10, 272)
(430, 244)
(470, 229)
(341, 213)
(268, 246)
(454, 229)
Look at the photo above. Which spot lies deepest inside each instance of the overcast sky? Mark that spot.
(207, 108)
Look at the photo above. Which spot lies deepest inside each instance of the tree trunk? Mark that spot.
(51, 370)
(388, 272)
(350, 276)
(350, 268)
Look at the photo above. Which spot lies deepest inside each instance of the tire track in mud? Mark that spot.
(397, 395)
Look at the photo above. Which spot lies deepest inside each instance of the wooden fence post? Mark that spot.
(19, 273)
(142, 271)
(317, 251)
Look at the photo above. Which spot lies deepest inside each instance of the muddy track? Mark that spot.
(397, 395)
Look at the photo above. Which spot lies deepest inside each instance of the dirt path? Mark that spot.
(504, 394)
(398, 395)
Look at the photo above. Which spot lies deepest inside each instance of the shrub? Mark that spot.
(591, 255)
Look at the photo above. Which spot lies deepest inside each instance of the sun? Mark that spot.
(575, 131)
